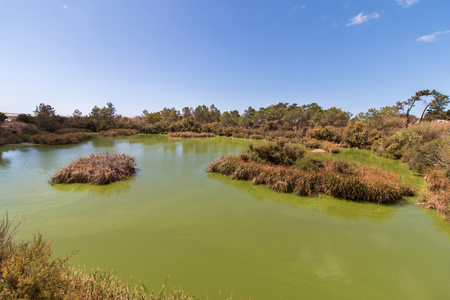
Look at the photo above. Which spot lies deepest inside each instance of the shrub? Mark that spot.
(96, 169)
(330, 147)
(277, 154)
(61, 139)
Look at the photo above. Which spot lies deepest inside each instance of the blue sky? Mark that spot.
(152, 54)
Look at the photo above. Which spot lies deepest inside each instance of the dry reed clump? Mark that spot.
(118, 132)
(189, 134)
(337, 179)
(438, 195)
(61, 139)
(96, 169)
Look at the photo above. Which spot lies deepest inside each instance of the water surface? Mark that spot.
(211, 234)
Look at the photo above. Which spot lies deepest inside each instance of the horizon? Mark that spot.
(154, 54)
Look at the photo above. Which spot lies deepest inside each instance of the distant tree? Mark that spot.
(46, 117)
(152, 118)
(102, 118)
(3, 117)
(247, 119)
(169, 115)
(201, 114)
(214, 114)
(77, 114)
(438, 104)
(186, 112)
(24, 118)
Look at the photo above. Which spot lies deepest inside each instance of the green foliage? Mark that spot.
(46, 118)
(24, 118)
(309, 164)
(275, 153)
(3, 117)
(356, 135)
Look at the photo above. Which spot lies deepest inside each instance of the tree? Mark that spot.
(3, 117)
(46, 117)
(77, 114)
(102, 118)
(187, 112)
(438, 104)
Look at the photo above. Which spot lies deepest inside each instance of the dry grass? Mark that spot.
(189, 134)
(61, 139)
(438, 195)
(96, 169)
(118, 132)
(337, 179)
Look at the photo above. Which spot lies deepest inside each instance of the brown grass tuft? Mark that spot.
(118, 132)
(189, 134)
(96, 169)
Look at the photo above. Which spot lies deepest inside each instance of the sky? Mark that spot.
(354, 55)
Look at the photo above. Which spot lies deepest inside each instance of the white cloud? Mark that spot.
(65, 6)
(406, 3)
(362, 18)
(432, 37)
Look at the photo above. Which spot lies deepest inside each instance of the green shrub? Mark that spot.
(277, 154)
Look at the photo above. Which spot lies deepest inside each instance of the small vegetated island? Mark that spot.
(96, 169)
(286, 168)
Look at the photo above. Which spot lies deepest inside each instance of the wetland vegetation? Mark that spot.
(181, 202)
(96, 169)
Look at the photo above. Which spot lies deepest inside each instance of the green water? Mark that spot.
(211, 234)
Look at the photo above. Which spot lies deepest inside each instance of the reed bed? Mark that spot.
(338, 179)
(189, 134)
(96, 169)
(118, 132)
(61, 139)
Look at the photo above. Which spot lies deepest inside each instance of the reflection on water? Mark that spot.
(4, 162)
(343, 209)
(97, 191)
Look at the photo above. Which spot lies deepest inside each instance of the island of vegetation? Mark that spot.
(285, 168)
(96, 169)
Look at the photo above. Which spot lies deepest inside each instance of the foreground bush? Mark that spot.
(334, 178)
(28, 272)
(189, 134)
(118, 132)
(96, 169)
(61, 139)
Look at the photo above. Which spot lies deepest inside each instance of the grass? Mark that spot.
(96, 169)
(27, 271)
(118, 132)
(310, 177)
(189, 134)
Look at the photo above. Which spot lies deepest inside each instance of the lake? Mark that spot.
(211, 234)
